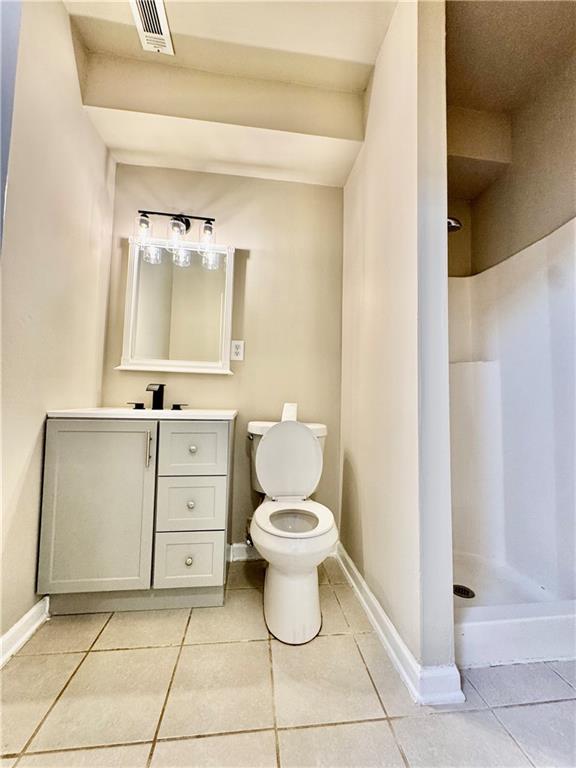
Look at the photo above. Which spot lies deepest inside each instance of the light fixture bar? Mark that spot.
(211, 219)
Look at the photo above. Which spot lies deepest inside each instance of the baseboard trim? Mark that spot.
(12, 640)
(243, 551)
(426, 685)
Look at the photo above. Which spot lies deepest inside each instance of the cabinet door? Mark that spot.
(98, 505)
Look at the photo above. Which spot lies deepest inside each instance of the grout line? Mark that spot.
(522, 750)
(195, 736)
(89, 748)
(341, 608)
(334, 724)
(165, 702)
(560, 675)
(274, 716)
(59, 696)
(398, 745)
(376, 691)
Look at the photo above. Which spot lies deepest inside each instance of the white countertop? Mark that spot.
(187, 414)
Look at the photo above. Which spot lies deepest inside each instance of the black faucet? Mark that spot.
(157, 396)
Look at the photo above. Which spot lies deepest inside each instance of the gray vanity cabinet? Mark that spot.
(98, 505)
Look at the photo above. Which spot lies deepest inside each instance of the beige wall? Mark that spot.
(538, 192)
(287, 305)
(399, 173)
(54, 274)
(460, 243)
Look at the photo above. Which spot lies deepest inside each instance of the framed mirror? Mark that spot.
(178, 314)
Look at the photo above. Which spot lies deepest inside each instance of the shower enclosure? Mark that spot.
(512, 389)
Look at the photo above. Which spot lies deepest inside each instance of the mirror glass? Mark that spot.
(178, 307)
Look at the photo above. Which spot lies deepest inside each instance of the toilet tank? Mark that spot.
(258, 428)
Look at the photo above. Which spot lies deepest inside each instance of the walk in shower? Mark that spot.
(512, 385)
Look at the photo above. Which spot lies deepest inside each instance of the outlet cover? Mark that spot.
(237, 350)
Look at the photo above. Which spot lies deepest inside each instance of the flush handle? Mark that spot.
(189, 560)
(191, 504)
(193, 449)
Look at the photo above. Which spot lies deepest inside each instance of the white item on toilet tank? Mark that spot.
(290, 412)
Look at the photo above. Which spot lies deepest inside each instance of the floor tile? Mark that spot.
(246, 574)
(546, 732)
(356, 745)
(63, 634)
(519, 684)
(324, 681)
(29, 687)
(7, 762)
(240, 618)
(334, 571)
(394, 694)
(116, 697)
(134, 756)
(238, 750)
(457, 740)
(138, 629)
(566, 669)
(333, 620)
(353, 611)
(220, 688)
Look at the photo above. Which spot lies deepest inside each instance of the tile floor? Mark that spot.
(210, 688)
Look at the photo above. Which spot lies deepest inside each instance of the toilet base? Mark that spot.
(292, 605)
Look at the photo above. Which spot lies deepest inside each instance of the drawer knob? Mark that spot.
(189, 561)
(191, 504)
(193, 449)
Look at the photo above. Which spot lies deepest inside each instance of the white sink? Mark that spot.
(146, 413)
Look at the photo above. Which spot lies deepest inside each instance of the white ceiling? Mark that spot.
(350, 31)
(137, 138)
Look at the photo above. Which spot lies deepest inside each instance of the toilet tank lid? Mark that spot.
(261, 427)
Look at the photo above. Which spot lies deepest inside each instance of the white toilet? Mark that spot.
(292, 532)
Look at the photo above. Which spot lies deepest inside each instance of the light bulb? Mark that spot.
(152, 254)
(207, 233)
(211, 260)
(177, 230)
(181, 257)
(144, 226)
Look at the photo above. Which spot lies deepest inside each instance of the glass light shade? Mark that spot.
(207, 232)
(152, 254)
(210, 260)
(143, 226)
(181, 257)
(177, 230)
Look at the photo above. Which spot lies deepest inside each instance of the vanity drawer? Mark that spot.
(189, 559)
(191, 503)
(193, 448)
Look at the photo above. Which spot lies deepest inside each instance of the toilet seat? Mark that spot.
(264, 518)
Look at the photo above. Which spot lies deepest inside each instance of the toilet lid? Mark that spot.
(289, 461)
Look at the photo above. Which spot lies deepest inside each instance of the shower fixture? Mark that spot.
(454, 225)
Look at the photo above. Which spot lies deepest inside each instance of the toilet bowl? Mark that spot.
(292, 532)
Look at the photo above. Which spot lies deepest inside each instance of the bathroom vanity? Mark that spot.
(135, 508)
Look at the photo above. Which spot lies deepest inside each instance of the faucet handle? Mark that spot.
(178, 406)
(137, 406)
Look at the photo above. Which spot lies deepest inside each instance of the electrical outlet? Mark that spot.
(237, 350)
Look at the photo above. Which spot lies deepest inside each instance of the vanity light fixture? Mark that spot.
(178, 227)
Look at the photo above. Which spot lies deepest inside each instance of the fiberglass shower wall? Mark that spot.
(513, 388)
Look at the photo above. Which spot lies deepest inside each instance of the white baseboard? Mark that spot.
(14, 639)
(242, 551)
(426, 685)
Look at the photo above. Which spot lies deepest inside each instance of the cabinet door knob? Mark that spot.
(193, 449)
(189, 561)
(191, 504)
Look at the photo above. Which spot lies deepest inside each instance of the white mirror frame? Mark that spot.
(129, 360)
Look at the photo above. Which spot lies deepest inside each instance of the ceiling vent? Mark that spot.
(152, 25)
